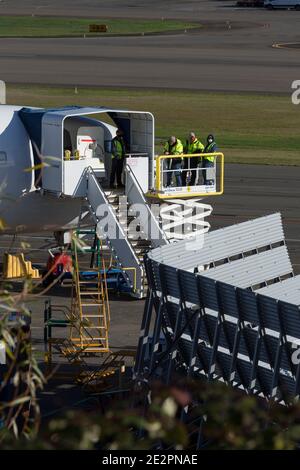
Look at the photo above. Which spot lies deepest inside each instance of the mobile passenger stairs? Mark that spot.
(74, 144)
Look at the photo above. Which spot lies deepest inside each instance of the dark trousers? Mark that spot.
(116, 170)
(176, 166)
(190, 163)
(207, 164)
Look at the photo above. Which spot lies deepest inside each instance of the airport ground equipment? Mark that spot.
(127, 251)
(114, 279)
(236, 320)
(15, 266)
(228, 312)
(66, 154)
(214, 174)
(62, 319)
(59, 265)
(183, 213)
(89, 316)
(91, 376)
(90, 305)
(114, 364)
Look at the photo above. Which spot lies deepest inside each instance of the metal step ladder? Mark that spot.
(90, 306)
(112, 228)
(114, 217)
(139, 245)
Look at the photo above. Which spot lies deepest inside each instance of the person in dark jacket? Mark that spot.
(209, 162)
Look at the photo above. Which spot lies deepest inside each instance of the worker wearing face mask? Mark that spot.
(209, 161)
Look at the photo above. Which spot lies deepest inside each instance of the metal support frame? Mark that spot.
(182, 219)
(90, 306)
(219, 331)
(242, 336)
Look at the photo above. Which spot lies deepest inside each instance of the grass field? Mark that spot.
(249, 128)
(27, 26)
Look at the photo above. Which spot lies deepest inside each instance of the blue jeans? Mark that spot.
(207, 164)
(176, 166)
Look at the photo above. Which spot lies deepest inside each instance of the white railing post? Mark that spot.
(2, 92)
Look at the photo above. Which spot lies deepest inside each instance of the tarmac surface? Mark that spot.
(252, 191)
(232, 52)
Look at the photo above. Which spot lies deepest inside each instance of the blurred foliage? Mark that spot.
(120, 427)
(232, 420)
(235, 420)
(21, 377)
(144, 419)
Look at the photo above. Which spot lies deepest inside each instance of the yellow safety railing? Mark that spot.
(128, 268)
(162, 192)
(134, 275)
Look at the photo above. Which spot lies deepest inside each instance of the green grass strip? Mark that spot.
(31, 26)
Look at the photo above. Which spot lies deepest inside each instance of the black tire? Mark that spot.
(47, 280)
(297, 7)
(270, 7)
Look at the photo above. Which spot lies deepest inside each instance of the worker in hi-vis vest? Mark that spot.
(209, 162)
(174, 147)
(118, 151)
(192, 145)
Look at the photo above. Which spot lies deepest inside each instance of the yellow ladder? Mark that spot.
(90, 306)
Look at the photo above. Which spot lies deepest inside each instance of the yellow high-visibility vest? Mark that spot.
(118, 149)
(175, 149)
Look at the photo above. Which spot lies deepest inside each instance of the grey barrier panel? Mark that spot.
(191, 292)
(217, 329)
(291, 319)
(151, 304)
(171, 280)
(208, 293)
(253, 270)
(226, 345)
(229, 299)
(288, 290)
(268, 309)
(223, 243)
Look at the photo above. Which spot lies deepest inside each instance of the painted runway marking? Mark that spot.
(287, 45)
